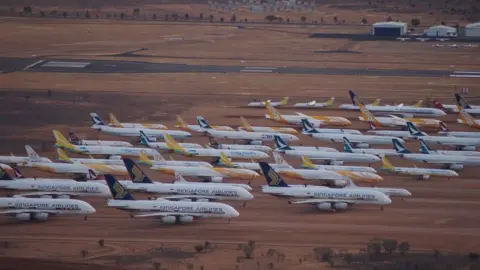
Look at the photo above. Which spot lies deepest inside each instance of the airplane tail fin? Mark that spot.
(424, 147)
(372, 125)
(62, 156)
(443, 127)
(245, 124)
(466, 118)
(18, 173)
(272, 177)
(117, 190)
(307, 163)
(203, 122)
(414, 131)
(418, 104)
(144, 139)
(224, 160)
(281, 144)
(181, 123)
(347, 146)
(273, 113)
(279, 159)
(97, 121)
(4, 175)
(399, 147)
(172, 144)
(330, 102)
(386, 165)
(145, 159)
(32, 155)
(157, 156)
(178, 178)
(284, 101)
(354, 98)
(213, 142)
(135, 172)
(61, 142)
(113, 120)
(308, 127)
(376, 102)
(461, 102)
(72, 137)
(437, 104)
(350, 184)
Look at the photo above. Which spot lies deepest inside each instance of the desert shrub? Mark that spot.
(199, 248)
(84, 253)
(415, 22)
(404, 247)
(390, 245)
(27, 10)
(101, 243)
(157, 265)
(303, 19)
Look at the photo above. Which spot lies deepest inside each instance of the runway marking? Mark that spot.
(34, 64)
(257, 70)
(260, 68)
(464, 76)
(65, 64)
(468, 72)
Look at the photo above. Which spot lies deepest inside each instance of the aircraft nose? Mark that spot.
(375, 158)
(264, 155)
(233, 212)
(89, 209)
(248, 195)
(387, 200)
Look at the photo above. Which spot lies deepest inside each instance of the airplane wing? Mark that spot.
(163, 214)
(180, 197)
(20, 211)
(317, 201)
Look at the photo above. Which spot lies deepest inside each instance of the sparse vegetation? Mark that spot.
(389, 19)
(136, 12)
(84, 253)
(390, 245)
(210, 18)
(190, 266)
(65, 14)
(364, 20)
(42, 13)
(87, 14)
(122, 16)
(404, 247)
(101, 243)
(157, 265)
(249, 249)
(27, 10)
(437, 254)
(335, 19)
(199, 248)
(222, 19)
(415, 22)
(154, 16)
(303, 19)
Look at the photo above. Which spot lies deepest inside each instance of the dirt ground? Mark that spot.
(442, 214)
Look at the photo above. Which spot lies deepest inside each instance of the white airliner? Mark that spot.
(317, 121)
(145, 140)
(467, 119)
(77, 141)
(247, 127)
(14, 160)
(407, 111)
(426, 150)
(323, 198)
(159, 160)
(449, 161)
(251, 137)
(113, 160)
(314, 104)
(169, 212)
(201, 127)
(403, 134)
(420, 173)
(255, 147)
(469, 134)
(208, 174)
(309, 129)
(460, 143)
(279, 163)
(347, 146)
(115, 123)
(48, 188)
(391, 192)
(333, 158)
(357, 140)
(211, 152)
(99, 125)
(41, 208)
(472, 109)
(61, 142)
(262, 103)
(182, 191)
(280, 144)
(307, 164)
(76, 170)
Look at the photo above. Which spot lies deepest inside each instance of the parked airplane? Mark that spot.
(403, 134)
(115, 123)
(323, 198)
(250, 137)
(202, 127)
(426, 150)
(316, 121)
(307, 164)
(14, 160)
(420, 173)
(449, 161)
(159, 160)
(467, 119)
(309, 129)
(181, 191)
(169, 212)
(145, 140)
(8, 169)
(314, 104)
(247, 127)
(79, 171)
(454, 107)
(332, 158)
(48, 188)
(468, 144)
(226, 162)
(445, 131)
(347, 146)
(64, 158)
(254, 147)
(41, 208)
(360, 141)
(281, 144)
(262, 103)
(462, 103)
(211, 152)
(390, 192)
(406, 111)
(99, 125)
(178, 178)
(72, 138)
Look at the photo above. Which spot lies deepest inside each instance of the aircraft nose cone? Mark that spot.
(234, 213)
(264, 155)
(387, 200)
(91, 210)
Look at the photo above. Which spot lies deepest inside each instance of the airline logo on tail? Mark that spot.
(144, 159)
(203, 123)
(330, 102)
(424, 147)
(32, 155)
(245, 124)
(72, 137)
(347, 146)
(461, 102)
(62, 156)
(443, 127)
(307, 163)
(414, 131)
(137, 175)
(399, 147)
(273, 113)
(418, 104)
(61, 142)
(18, 173)
(97, 120)
(181, 123)
(273, 179)
(4, 175)
(279, 159)
(308, 127)
(113, 121)
(173, 145)
(284, 101)
(376, 102)
(281, 144)
(144, 138)
(117, 190)
(224, 160)
(366, 114)
(386, 165)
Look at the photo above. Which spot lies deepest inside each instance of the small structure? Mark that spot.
(441, 31)
(472, 30)
(389, 29)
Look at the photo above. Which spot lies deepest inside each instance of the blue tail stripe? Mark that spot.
(272, 177)
(135, 172)
(117, 190)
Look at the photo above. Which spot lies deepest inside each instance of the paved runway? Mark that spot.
(112, 66)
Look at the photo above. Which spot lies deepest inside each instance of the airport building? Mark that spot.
(389, 29)
(441, 31)
(472, 30)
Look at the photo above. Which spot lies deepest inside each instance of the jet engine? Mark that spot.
(334, 162)
(23, 216)
(40, 216)
(202, 200)
(63, 197)
(255, 142)
(186, 219)
(455, 167)
(424, 177)
(466, 148)
(216, 179)
(115, 157)
(339, 183)
(340, 206)
(324, 206)
(362, 145)
(169, 220)
(46, 196)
